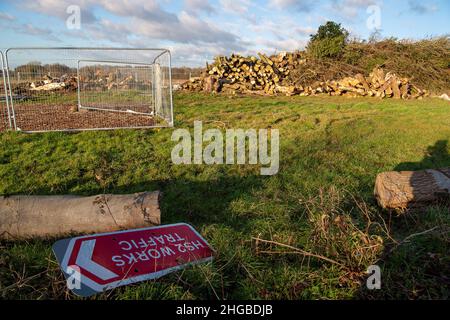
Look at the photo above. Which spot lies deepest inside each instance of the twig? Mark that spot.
(224, 125)
(418, 234)
(249, 273)
(300, 251)
(209, 282)
(22, 282)
(412, 236)
(105, 201)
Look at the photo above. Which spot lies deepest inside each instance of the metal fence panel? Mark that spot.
(114, 86)
(58, 89)
(163, 87)
(5, 119)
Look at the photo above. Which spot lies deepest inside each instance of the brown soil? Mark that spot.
(65, 117)
(4, 120)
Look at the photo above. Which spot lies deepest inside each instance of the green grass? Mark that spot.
(88, 96)
(331, 149)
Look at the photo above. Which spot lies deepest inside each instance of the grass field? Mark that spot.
(331, 149)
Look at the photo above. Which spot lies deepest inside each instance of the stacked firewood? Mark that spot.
(377, 84)
(246, 74)
(272, 75)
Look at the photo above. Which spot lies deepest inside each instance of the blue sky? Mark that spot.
(197, 30)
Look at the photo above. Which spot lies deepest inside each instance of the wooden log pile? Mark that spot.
(48, 83)
(98, 81)
(262, 74)
(272, 75)
(101, 80)
(377, 84)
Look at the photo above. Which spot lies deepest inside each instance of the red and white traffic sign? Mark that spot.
(104, 261)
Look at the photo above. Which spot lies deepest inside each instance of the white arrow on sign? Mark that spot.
(84, 260)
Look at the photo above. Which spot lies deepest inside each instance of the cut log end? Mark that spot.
(411, 189)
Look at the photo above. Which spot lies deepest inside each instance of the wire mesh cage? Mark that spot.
(4, 103)
(53, 89)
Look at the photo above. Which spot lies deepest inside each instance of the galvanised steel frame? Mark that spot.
(4, 109)
(167, 116)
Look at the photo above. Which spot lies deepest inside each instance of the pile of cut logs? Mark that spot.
(272, 75)
(49, 83)
(264, 75)
(377, 84)
(105, 81)
(98, 81)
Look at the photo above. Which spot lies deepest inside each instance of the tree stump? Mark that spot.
(406, 189)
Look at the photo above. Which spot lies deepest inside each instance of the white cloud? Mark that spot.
(197, 6)
(298, 5)
(136, 23)
(239, 7)
(187, 28)
(286, 28)
(144, 9)
(6, 17)
(146, 23)
(197, 29)
(194, 55)
(305, 30)
(30, 29)
(349, 9)
(272, 46)
(145, 19)
(57, 8)
(420, 7)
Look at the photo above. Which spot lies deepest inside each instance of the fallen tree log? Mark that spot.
(408, 189)
(42, 216)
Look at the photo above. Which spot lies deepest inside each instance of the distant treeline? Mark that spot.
(186, 72)
(36, 69)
